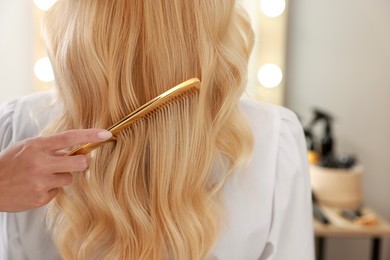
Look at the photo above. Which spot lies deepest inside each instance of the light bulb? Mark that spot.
(272, 8)
(44, 4)
(270, 75)
(43, 70)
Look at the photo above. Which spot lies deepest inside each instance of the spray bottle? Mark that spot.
(323, 154)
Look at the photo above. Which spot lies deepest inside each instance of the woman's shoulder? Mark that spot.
(263, 115)
(277, 133)
(26, 116)
(273, 126)
(36, 103)
(6, 115)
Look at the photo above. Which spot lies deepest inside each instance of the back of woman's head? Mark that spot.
(152, 194)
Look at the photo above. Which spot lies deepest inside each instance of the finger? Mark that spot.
(74, 137)
(52, 193)
(75, 163)
(46, 199)
(59, 180)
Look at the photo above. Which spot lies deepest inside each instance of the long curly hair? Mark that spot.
(155, 192)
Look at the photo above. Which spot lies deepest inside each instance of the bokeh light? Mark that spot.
(43, 70)
(270, 75)
(44, 4)
(272, 8)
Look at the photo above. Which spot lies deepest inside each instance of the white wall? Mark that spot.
(16, 48)
(339, 60)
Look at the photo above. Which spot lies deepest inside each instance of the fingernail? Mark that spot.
(104, 135)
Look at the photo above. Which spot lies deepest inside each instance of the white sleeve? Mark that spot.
(6, 113)
(291, 235)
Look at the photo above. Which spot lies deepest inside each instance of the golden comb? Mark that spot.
(140, 112)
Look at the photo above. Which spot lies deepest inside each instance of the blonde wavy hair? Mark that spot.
(155, 192)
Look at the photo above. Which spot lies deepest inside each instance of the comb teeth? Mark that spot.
(180, 97)
(184, 89)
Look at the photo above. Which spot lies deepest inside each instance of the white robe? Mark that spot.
(267, 205)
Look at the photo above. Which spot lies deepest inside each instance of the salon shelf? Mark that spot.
(342, 227)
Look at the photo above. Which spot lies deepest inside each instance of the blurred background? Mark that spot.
(327, 55)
